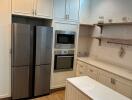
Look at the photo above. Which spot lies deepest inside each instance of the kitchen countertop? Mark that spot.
(94, 89)
(118, 70)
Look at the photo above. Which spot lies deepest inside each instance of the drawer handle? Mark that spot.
(113, 81)
(91, 70)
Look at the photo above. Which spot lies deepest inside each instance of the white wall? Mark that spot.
(115, 9)
(5, 40)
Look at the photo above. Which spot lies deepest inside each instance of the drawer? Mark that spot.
(124, 89)
(92, 72)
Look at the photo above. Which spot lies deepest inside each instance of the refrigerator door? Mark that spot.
(43, 45)
(20, 82)
(20, 45)
(42, 80)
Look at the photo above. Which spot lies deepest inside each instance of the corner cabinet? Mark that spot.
(33, 8)
(67, 10)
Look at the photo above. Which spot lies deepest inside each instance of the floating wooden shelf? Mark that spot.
(120, 41)
(89, 25)
(115, 40)
(110, 24)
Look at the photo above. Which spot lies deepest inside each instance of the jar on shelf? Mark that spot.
(101, 20)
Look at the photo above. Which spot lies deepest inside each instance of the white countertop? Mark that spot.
(94, 89)
(108, 67)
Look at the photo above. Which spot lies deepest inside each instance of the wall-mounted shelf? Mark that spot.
(88, 25)
(120, 41)
(110, 24)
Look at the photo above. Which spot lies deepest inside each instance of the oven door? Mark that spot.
(64, 62)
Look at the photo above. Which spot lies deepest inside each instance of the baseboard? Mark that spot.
(8, 98)
(57, 89)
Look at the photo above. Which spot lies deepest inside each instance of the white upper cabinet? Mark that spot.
(44, 8)
(73, 9)
(59, 9)
(34, 8)
(85, 11)
(67, 10)
(23, 7)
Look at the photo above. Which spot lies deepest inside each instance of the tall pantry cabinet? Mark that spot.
(5, 45)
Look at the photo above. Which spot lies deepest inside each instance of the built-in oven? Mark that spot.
(64, 60)
(64, 39)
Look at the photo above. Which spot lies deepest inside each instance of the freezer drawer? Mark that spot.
(42, 80)
(20, 82)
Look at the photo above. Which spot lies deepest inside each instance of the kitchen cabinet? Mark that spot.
(84, 69)
(67, 10)
(113, 81)
(44, 8)
(23, 7)
(59, 9)
(33, 8)
(72, 93)
(85, 88)
(73, 9)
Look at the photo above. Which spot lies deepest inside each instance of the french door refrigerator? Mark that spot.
(31, 60)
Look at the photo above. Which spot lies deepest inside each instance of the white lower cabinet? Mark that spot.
(115, 82)
(72, 93)
(84, 69)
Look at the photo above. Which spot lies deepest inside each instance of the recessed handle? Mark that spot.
(113, 81)
(91, 70)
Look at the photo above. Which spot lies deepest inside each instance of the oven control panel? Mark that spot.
(64, 52)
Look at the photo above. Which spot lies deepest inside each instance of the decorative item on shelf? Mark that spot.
(122, 52)
(110, 20)
(101, 20)
(124, 19)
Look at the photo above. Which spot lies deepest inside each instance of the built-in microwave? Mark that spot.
(64, 39)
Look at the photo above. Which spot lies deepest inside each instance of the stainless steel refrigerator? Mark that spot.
(31, 60)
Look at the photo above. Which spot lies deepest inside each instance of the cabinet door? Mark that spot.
(124, 89)
(44, 8)
(23, 7)
(59, 9)
(73, 9)
(92, 72)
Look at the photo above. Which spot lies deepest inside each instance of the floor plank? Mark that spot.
(59, 95)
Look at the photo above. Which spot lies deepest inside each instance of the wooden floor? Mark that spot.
(59, 95)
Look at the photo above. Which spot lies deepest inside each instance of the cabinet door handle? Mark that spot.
(33, 12)
(113, 81)
(66, 17)
(91, 70)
